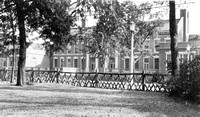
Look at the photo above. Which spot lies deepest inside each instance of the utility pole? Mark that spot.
(173, 35)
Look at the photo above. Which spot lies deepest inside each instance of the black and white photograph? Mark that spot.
(99, 58)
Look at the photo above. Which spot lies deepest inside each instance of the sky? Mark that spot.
(194, 18)
(194, 15)
(193, 7)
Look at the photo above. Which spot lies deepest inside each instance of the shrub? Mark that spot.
(156, 77)
(187, 84)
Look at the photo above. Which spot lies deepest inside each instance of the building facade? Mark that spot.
(36, 57)
(154, 57)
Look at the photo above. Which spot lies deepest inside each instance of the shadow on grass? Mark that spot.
(137, 100)
(70, 89)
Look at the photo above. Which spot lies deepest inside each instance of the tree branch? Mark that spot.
(145, 38)
(1, 10)
(147, 35)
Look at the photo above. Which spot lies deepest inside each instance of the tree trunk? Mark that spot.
(51, 58)
(13, 67)
(13, 42)
(22, 42)
(173, 35)
(104, 64)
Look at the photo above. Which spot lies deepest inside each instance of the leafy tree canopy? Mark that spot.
(112, 31)
(50, 18)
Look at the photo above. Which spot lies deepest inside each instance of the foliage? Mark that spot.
(54, 21)
(8, 28)
(169, 66)
(112, 32)
(156, 77)
(50, 17)
(187, 84)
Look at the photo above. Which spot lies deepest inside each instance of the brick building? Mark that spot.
(153, 60)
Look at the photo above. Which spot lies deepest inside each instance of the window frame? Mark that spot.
(127, 64)
(146, 65)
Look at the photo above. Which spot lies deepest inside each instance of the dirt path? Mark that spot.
(56, 100)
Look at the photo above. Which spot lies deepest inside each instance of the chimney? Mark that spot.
(185, 15)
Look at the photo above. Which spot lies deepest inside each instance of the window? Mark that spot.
(168, 57)
(146, 60)
(168, 62)
(55, 62)
(157, 42)
(81, 48)
(83, 63)
(5, 63)
(68, 62)
(62, 62)
(112, 63)
(101, 63)
(76, 63)
(156, 61)
(11, 62)
(127, 63)
(69, 50)
(185, 56)
(76, 49)
(136, 64)
(146, 63)
(182, 57)
(92, 63)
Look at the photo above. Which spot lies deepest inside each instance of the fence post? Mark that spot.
(96, 80)
(5, 74)
(32, 76)
(143, 77)
(57, 76)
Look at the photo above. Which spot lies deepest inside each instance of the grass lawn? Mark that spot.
(57, 100)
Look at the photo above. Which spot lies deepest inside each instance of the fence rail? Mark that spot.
(126, 81)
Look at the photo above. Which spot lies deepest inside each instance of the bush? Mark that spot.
(156, 77)
(187, 84)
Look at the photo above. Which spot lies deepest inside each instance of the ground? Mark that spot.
(58, 100)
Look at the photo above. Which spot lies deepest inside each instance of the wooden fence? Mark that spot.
(126, 81)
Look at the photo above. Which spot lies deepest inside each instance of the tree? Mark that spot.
(112, 30)
(48, 15)
(173, 34)
(8, 26)
(54, 21)
(22, 41)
